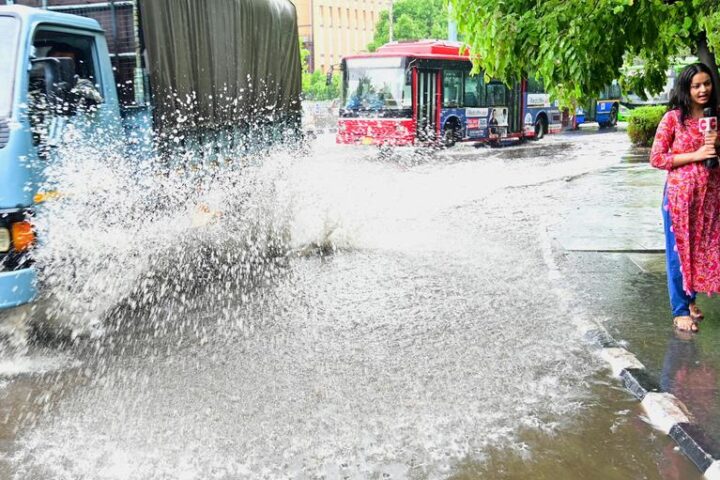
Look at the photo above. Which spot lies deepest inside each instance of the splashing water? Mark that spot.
(136, 231)
(236, 352)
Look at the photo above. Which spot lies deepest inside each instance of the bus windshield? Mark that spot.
(9, 28)
(611, 92)
(377, 84)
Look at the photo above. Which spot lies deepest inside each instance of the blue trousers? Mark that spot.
(679, 299)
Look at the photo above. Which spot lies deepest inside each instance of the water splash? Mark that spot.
(134, 230)
(397, 357)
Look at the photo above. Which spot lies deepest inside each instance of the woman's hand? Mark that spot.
(706, 151)
(711, 137)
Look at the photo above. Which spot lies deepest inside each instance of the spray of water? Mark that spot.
(397, 358)
(139, 230)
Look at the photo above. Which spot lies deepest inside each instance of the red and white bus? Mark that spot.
(410, 93)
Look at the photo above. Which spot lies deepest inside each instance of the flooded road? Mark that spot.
(418, 325)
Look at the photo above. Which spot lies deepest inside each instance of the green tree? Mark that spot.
(318, 88)
(315, 85)
(579, 46)
(413, 20)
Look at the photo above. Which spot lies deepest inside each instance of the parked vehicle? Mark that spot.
(422, 92)
(613, 104)
(129, 82)
(604, 110)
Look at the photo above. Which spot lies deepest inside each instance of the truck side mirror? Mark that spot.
(54, 77)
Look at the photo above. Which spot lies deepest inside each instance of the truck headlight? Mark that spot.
(23, 236)
(4, 240)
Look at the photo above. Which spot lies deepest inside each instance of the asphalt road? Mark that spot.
(421, 322)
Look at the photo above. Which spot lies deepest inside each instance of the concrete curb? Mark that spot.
(665, 412)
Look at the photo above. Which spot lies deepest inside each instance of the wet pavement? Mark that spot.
(424, 325)
(627, 291)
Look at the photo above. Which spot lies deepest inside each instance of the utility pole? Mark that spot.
(390, 20)
(452, 25)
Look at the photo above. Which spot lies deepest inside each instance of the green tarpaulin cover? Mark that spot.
(239, 60)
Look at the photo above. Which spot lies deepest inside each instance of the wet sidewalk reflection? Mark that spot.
(613, 245)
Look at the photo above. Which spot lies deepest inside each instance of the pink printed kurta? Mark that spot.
(693, 193)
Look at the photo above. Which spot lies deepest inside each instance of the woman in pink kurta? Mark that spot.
(691, 205)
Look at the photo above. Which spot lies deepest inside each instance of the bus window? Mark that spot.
(407, 90)
(452, 88)
(496, 94)
(535, 86)
(474, 91)
(611, 92)
(377, 84)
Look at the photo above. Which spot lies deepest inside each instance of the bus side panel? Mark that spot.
(539, 108)
(454, 114)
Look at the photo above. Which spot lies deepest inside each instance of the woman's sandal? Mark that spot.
(695, 313)
(685, 324)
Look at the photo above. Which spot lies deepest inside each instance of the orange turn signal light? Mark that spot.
(23, 236)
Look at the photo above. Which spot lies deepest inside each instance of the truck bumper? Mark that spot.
(17, 287)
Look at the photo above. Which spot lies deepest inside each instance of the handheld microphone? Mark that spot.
(709, 124)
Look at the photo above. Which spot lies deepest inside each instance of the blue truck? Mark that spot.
(62, 54)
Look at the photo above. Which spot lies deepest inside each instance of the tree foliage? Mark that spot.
(315, 85)
(412, 20)
(579, 46)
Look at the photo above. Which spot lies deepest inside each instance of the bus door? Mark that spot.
(427, 103)
(515, 113)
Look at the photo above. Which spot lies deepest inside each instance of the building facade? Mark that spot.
(331, 29)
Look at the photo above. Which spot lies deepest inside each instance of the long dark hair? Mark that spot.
(681, 98)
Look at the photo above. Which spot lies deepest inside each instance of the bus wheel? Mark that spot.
(613, 116)
(450, 136)
(539, 128)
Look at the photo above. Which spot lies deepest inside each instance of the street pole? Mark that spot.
(452, 25)
(390, 19)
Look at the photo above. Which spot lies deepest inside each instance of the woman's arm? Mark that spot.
(661, 156)
(664, 136)
(680, 159)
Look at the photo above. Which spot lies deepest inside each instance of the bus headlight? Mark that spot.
(4, 240)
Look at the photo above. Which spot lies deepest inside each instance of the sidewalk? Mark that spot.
(612, 253)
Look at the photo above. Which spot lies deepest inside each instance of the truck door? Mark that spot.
(92, 91)
(428, 97)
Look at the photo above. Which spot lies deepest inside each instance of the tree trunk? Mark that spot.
(707, 57)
